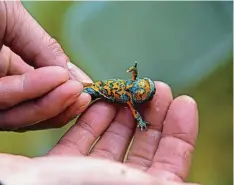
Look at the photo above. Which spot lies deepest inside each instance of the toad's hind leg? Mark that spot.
(140, 122)
(134, 71)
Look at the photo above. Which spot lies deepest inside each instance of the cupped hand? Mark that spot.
(162, 154)
(38, 84)
(165, 150)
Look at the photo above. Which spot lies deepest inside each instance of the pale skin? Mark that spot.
(162, 155)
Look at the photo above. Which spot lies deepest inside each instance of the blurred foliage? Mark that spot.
(177, 42)
(212, 88)
(213, 157)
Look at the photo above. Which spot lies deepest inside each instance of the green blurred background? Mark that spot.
(185, 44)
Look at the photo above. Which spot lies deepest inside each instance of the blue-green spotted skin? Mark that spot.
(131, 92)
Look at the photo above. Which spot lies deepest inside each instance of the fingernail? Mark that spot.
(77, 74)
(72, 100)
(83, 102)
(80, 105)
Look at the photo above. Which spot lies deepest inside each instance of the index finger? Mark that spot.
(34, 84)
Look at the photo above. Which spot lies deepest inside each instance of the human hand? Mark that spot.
(38, 84)
(162, 154)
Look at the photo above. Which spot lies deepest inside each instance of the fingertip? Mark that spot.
(188, 109)
(64, 95)
(86, 97)
(185, 99)
(77, 85)
(73, 89)
(163, 90)
(83, 102)
(77, 74)
(182, 119)
(161, 85)
(80, 105)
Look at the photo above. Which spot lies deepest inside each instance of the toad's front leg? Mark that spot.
(140, 122)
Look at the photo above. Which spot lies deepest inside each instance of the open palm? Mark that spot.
(164, 151)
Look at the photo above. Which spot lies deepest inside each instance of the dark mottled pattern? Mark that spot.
(132, 92)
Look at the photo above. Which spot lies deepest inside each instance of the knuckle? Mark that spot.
(105, 152)
(55, 47)
(67, 143)
(57, 55)
(86, 126)
(139, 160)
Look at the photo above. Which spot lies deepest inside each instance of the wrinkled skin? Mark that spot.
(36, 77)
(37, 80)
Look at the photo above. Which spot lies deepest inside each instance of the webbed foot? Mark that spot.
(143, 125)
(140, 122)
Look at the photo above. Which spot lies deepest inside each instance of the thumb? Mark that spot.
(30, 41)
(16, 170)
